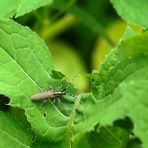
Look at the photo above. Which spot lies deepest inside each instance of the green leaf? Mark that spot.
(102, 137)
(122, 85)
(108, 137)
(134, 11)
(81, 141)
(25, 69)
(8, 8)
(134, 143)
(12, 134)
(18, 8)
(106, 82)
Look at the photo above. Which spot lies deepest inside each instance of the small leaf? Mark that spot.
(12, 134)
(108, 137)
(102, 137)
(18, 8)
(134, 11)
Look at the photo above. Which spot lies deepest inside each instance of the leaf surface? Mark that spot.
(109, 137)
(134, 11)
(104, 137)
(121, 85)
(25, 69)
(18, 8)
(12, 134)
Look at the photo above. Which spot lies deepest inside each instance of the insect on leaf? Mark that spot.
(25, 69)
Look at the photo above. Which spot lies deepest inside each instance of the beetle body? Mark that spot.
(47, 95)
(51, 94)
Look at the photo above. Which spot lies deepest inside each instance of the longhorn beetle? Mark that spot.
(48, 95)
(52, 95)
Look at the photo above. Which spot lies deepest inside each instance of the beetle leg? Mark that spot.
(43, 103)
(59, 101)
(50, 87)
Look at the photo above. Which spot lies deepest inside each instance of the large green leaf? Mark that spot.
(20, 7)
(134, 11)
(25, 69)
(12, 134)
(121, 85)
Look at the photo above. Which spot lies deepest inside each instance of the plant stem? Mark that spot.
(71, 120)
(50, 31)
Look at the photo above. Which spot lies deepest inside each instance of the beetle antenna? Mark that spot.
(73, 79)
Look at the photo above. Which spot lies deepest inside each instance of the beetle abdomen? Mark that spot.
(47, 95)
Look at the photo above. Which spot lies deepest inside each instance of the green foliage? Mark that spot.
(87, 19)
(123, 84)
(18, 80)
(135, 11)
(118, 89)
(12, 133)
(105, 137)
(18, 8)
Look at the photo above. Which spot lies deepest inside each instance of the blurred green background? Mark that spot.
(79, 34)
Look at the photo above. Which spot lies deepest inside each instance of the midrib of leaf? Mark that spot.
(15, 139)
(19, 65)
(42, 65)
(70, 124)
(23, 70)
(43, 129)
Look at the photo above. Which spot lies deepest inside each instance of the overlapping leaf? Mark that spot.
(134, 11)
(121, 85)
(15, 134)
(105, 137)
(18, 8)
